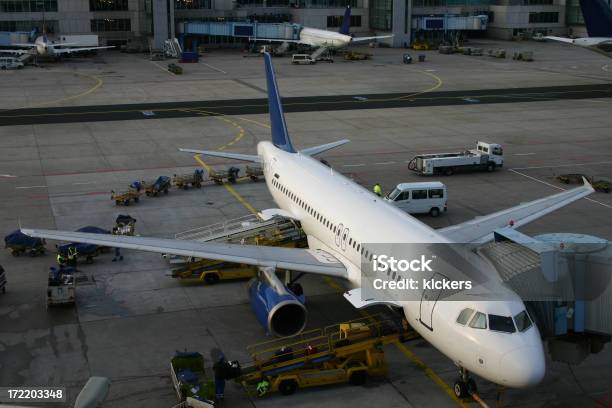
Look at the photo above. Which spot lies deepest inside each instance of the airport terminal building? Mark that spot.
(124, 22)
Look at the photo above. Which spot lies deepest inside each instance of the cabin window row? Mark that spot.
(327, 223)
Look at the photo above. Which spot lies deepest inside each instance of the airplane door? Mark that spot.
(429, 298)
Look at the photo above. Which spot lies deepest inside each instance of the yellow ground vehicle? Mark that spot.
(249, 230)
(347, 352)
(125, 197)
(211, 271)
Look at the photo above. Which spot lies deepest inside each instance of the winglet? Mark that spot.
(346, 21)
(597, 17)
(588, 184)
(280, 136)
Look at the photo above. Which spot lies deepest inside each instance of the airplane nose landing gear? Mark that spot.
(465, 385)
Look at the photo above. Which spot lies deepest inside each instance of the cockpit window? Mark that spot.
(523, 321)
(394, 194)
(479, 321)
(501, 323)
(464, 316)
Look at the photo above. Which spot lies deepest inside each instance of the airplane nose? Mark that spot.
(523, 367)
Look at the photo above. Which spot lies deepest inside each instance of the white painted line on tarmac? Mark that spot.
(215, 68)
(524, 154)
(354, 165)
(162, 68)
(31, 187)
(7, 175)
(557, 187)
(385, 163)
(561, 165)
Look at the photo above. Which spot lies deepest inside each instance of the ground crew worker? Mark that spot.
(72, 256)
(61, 260)
(262, 387)
(377, 189)
(219, 368)
(118, 256)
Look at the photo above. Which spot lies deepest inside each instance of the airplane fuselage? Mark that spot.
(323, 38)
(43, 47)
(340, 216)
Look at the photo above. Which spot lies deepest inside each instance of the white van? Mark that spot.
(419, 198)
(10, 63)
(302, 59)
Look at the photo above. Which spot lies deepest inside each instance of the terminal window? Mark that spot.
(336, 21)
(544, 17)
(106, 5)
(111, 24)
(51, 26)
(18, 6)
(381, 14)
(192, 4)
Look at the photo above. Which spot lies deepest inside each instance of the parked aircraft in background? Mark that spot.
(324, 40)
(45, 48)
(489, 334)
(598, 20)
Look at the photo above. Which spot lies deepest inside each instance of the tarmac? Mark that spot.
(129, 323)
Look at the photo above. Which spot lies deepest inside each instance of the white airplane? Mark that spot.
(45, 48)
(598, 20)
(491, 336)
(324, 39)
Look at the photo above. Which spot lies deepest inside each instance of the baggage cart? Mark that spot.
(125, 197)
(155, 188)
(254, 172)
(189, 377)
(184, 181)
(219, 176)
(20, 244)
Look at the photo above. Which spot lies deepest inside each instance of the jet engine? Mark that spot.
(278, 308)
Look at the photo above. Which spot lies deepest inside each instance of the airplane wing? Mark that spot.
(295, 259)
(234, 156)
(480, 229)
(15, 51)
(73, 50)
(31, 45)
(561, 39)
(311, 151)
(277, 40)
(361, 39)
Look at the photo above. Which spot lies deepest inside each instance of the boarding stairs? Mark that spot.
(281, 49)
(25, 58)
(319, 52)
(172, 48)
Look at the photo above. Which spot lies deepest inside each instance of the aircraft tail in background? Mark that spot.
(346, 21)
(597, 17)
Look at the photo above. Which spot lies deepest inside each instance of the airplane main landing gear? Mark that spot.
(465, 385)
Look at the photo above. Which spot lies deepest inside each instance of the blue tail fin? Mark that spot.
(346, 21)
(597, 17)
(280, 137)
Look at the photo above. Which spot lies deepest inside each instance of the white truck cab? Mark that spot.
(492, 149)
(486, 156)
(419, 198)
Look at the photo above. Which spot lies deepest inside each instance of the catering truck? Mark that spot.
(486, 156)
